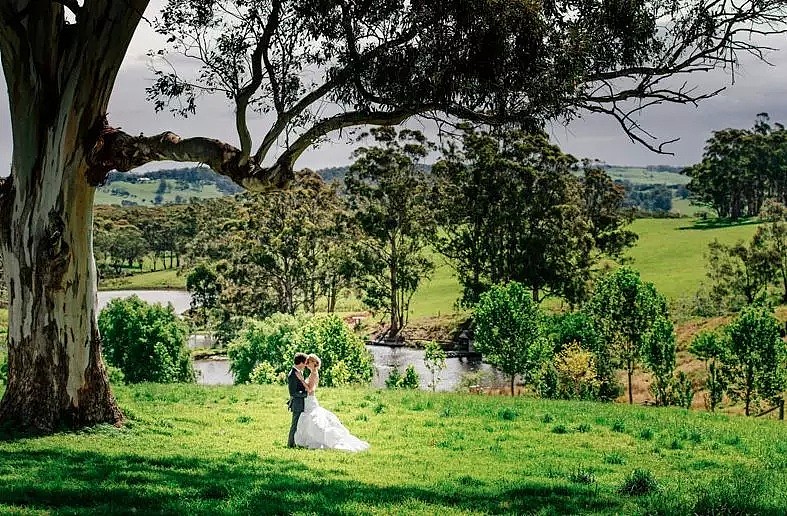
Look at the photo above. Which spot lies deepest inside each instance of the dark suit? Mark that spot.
(297, 396)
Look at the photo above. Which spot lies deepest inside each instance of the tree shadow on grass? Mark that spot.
(718, 223)
(85, 482)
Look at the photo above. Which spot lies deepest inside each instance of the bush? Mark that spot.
(275, 340)
(265, 374)
(639, 482)
(394, 380)
(410, 380)
(576, 373)
(146, 342)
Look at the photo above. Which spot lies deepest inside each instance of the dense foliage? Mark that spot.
(512, 209)
(741, 168)
(510, 334)
(146, 342)
(756, 361)
(624, 308)
(264, 349)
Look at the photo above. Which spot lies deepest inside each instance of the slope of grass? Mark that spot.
(144, 193)
(639, 175)
(161, 279)
(197, 450)
(671, 252)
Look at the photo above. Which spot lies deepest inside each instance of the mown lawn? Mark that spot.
(220, 450)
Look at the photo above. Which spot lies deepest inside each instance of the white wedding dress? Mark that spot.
(320, 428)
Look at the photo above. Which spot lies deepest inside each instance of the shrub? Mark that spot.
(264, 374)
(712, 348)
(394, 379)
(614, 458)
(434, 360)
(755, 360)
(410, 380)
(659, 355)
(147, 342)
(576, 373)
(582, 476)
(275, 340)
(559, 429)
(639, 482)
(682, 392)
(115, 375)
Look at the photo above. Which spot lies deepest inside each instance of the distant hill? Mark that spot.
(180, 185)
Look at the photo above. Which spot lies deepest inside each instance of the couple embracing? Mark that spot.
(313, 426)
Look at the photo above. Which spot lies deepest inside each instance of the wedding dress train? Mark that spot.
(320, 428)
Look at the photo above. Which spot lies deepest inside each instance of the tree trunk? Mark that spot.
(630, 372)
(59, 79)
(56, 376)
(395, 308)
(513, 379)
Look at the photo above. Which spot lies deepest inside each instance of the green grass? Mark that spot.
(145, 193)
(220, 450)
(638, 175)
(161, 279)
(671, 252)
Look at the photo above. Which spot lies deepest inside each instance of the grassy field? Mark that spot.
(671, 252)
(639, 175)
(144, 193)
(198, 450)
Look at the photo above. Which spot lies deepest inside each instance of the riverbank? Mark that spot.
(200, 450)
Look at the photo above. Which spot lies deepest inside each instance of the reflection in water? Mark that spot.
(217, 372)
(180, 299)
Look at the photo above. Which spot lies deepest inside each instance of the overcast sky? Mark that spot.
(758, 88)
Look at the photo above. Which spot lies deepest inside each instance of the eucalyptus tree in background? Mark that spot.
(756, 361)
(625, 308)
(771, 237)
(377, 62)
(386, 192)
(740, 272)
(510, 210)
(509, 332)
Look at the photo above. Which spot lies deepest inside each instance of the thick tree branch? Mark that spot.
(115, 149)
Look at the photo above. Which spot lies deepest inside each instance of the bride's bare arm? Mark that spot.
(312, 381)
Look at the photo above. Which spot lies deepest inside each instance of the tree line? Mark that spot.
(500, 207)
(741, 168)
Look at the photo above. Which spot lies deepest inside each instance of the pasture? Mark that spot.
(220, 450)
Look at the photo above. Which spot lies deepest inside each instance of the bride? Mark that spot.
(319, 427)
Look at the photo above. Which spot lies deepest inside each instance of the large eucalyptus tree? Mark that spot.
(317, 66)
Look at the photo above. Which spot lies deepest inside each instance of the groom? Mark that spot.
(297, 394)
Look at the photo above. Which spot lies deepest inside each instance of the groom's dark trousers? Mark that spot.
(297, 397)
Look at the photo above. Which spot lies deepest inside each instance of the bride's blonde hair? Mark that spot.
(316, 359)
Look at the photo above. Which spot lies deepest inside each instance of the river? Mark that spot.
(217, 371)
